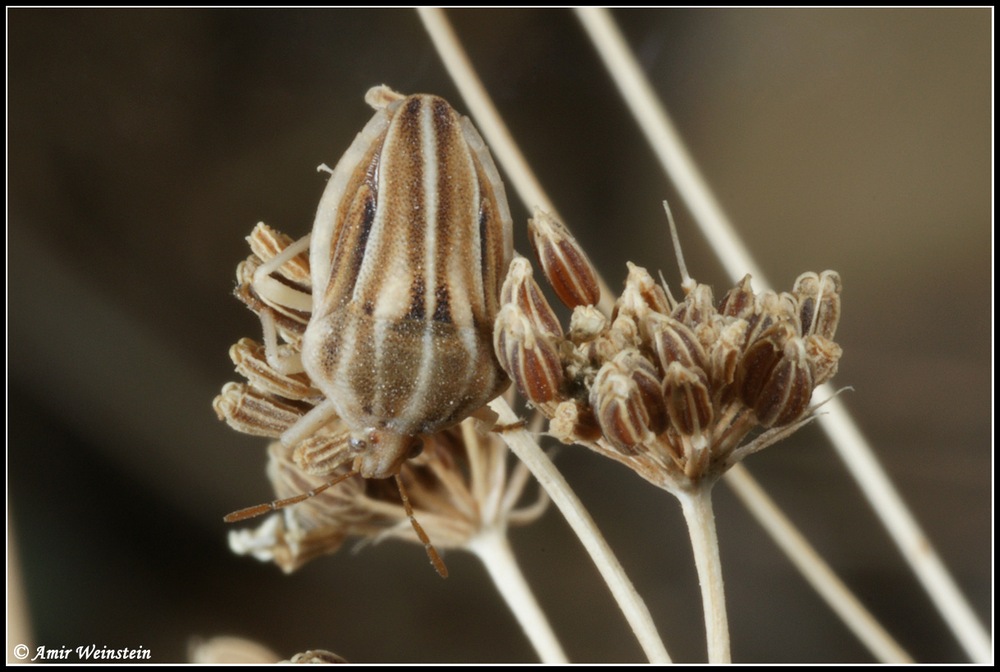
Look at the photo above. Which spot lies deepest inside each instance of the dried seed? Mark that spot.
(785, 394)
(688, 399)
(818, 297)
(528, 355)
(251, 363)
(252, 412)
(618, 405)
(674, 341)
(563, 261)
(738, 301)
(520, 289)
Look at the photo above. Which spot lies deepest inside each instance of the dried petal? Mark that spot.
(563, 261)
(252, 412)
(688, 399)
(586, 323)
(641, 295)
(574, 422)
(824, 356)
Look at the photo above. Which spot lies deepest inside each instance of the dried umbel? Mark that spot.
(678, 390)
(458, 487)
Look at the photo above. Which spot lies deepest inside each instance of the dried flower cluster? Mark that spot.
(679, 391)
(225, 650)
(458, 486)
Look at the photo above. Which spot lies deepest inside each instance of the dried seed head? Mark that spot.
(563, 261)
(678, 390)
(445, 486)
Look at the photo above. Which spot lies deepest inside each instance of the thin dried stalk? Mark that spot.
(865, 627)
(527, 450)
(697, 505)
(506, 152)
(493, 549)
(847, 439)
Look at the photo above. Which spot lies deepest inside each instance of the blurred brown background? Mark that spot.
(144, 145)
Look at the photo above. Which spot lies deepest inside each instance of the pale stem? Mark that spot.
(697, 505)
(847, 439)
(491, 546)
(527, 450)
(812, 566)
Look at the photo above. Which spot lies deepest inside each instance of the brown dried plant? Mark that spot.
(677, 390)
(459, 487)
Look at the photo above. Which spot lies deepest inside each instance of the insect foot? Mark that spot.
(679, 391)
(378, 326)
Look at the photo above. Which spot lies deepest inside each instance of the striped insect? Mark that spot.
(410, 246)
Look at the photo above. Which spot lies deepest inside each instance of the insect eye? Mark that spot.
(416, 448)
(357, 445)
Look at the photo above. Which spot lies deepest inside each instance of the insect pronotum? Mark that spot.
(408, 252)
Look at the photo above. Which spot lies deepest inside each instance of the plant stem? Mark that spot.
(857, 454)
(816, 571)
(697, 505)
(493, 548)
(527, 450)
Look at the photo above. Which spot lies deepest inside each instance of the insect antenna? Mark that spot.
(428, 546)
(261, 509)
